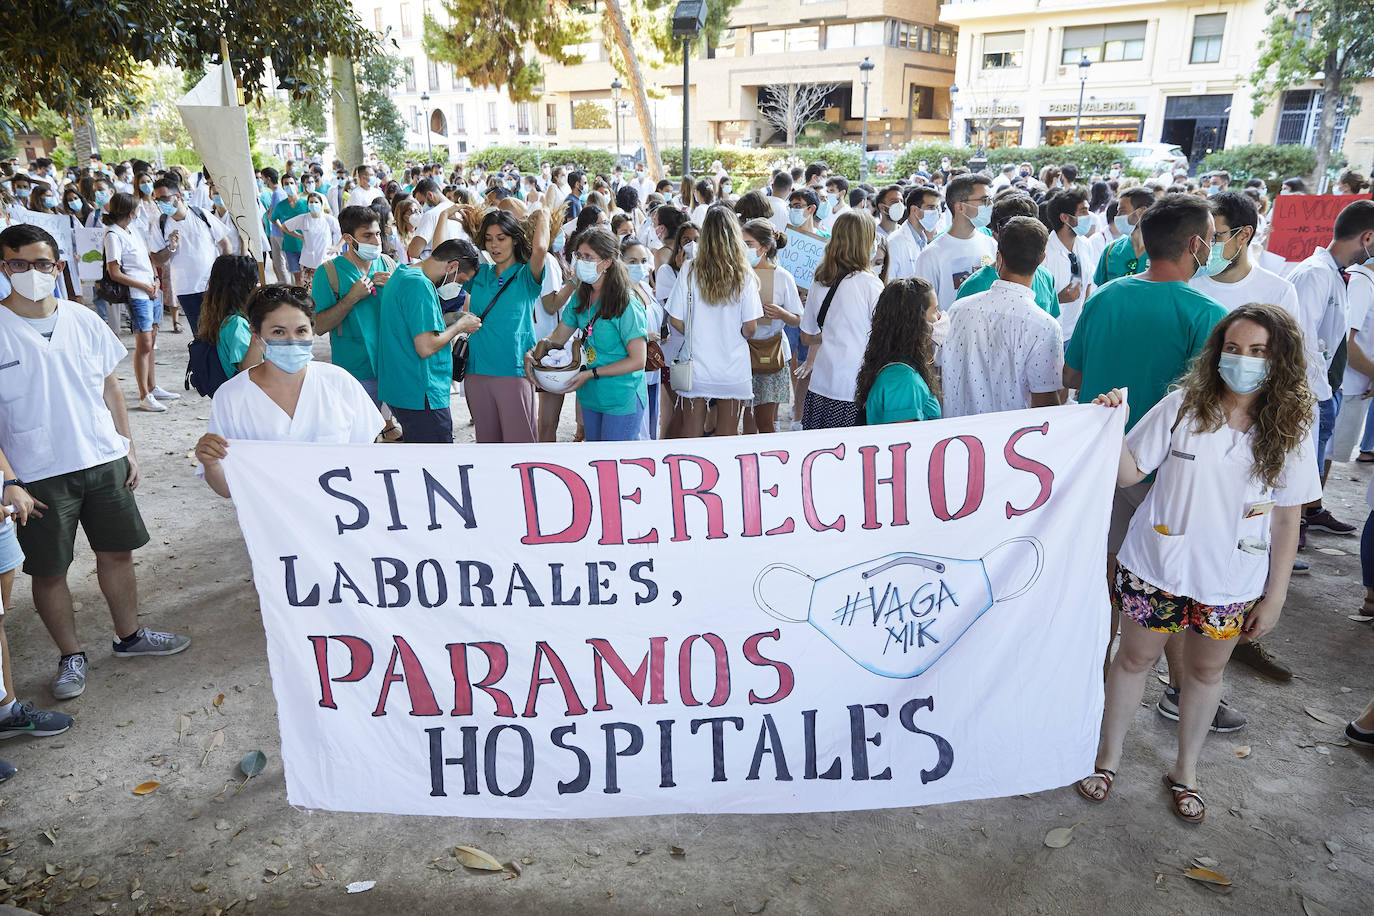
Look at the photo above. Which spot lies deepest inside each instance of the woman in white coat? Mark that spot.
(1210, 551)
(287, 397)
(714, 305)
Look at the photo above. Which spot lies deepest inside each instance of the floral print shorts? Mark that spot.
(1156, 609)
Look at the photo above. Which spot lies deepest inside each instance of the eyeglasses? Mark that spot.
(169, 199)
(19, 265)
(1219, 238)
(590, 259)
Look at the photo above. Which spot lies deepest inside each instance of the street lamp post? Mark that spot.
(689, 18)
(429, 141)
(616, 86)
(866, 71)
(1083, 65)
(953, 96)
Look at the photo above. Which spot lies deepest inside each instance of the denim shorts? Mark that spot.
(144, 313)
(11, 555)
(293, 260)
(794, 338)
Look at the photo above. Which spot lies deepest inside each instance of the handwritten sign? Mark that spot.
(1302, 222)
(802, 255)
(810, 621)
(89, 256)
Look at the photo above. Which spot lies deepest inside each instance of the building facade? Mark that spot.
(1146, 71)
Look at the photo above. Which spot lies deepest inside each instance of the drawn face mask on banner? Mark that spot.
(897, 614)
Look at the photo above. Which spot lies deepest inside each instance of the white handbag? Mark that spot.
(680, 372)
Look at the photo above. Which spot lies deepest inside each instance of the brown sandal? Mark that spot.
(1103, 774)
(1182, 793)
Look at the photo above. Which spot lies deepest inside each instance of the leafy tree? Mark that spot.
(93, 51)
(1330, 40)
(377, 75)
(589, 115)
(307, 117)
(489, 41)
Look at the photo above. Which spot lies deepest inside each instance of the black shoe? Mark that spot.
(1226, 719)
(1357, 737)
(1258, 657)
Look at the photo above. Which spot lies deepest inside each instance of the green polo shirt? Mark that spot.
(1139, 335)
(607, 343)
(507, 333)
(234, 338)
(899, 394)
(410, 306)
(282, 212)
(1119, 260)
(354, 342)
(1042, 284)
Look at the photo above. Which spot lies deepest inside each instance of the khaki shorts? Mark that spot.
(96, 498)
(1124, 504)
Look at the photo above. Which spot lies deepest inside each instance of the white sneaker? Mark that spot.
(151, 403)
(164, 395)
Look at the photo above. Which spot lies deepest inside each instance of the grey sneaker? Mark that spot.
(71, 677)
(151, 642)
(6, 771)
(1226, 719)
(25, 720)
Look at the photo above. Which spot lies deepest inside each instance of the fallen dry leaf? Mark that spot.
(90, 881)
(216, 740)
(1321, 715)
(1242, 750)
(357, 887)
(52, 869)
(1358, 618)
(1060, 837)
(182, 726)
(676, 851)
(221, 824)
(472, 857)
(146, 788)
(1207, 876)
(219, 700)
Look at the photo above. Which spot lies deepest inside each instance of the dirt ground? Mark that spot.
(1291, 824)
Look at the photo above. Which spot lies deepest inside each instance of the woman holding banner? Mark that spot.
(288, 397)
(1210, 551)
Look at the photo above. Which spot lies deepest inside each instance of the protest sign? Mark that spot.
(802, 255)
(219, 131)
(89, 253)
(874, 617)
(1302, 222)
(58, 225)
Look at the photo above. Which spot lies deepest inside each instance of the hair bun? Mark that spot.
(779, 240)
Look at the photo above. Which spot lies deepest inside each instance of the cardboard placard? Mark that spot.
(1302, 222)
(802, 256)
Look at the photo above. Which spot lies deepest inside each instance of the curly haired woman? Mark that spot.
(1211, 549)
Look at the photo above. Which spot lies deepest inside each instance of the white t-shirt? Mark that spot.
(1202, 493)
(321, 234)
(904, 246)
(127, 249)
(720, 357)
(1324, 320)
(828, 224)
(544, 323)
(1057, 263)
(1360, 295)
(362, 197)
(53, 418)
(779, 217)
(1001, 349)
(948, 261)
(699, 213)
(785, 294)
(196, 252)
(429, 220)
(1259, 285)
(231, 231)
(333, 409)
(665, 278)
(845, 335)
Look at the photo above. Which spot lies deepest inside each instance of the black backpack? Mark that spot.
(204, 371)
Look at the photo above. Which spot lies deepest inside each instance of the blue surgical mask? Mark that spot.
(1212, 189)
(1243, 374)
(930, 219)
(50, 202)
(309, 185)
(102, 198)
(981, 219)
(586, 271)
(639, 272)
(823, 210)
(1123, 225)
(167, 207)
(368, 252)
(796, 216)
(289, 355)
(560, 241)
(1216, 262)
(1084, 224)
(146, 188)
(218, 201)
(317, 208)
(753, 255)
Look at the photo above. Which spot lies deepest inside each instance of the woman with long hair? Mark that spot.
(223, 323)
(504, 295)
(611, 388)
(715, 306)
(665, 280)
(769, 350)
(753, 205)
(896, 382)
(639, 263)
(703, 195)
(1210, 551)
(836, 323)
(128, 263)
(407, 211)
(665, 221)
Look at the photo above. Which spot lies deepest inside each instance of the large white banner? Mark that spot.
(863, 618)
(218, 126)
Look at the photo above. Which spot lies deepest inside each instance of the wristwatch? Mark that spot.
(12, 482)
(595, 374)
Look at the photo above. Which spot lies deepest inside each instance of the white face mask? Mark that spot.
(930, 219)
(895, 211)
(33, 285)
(939, 329)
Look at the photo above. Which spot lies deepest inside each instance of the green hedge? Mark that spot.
(528, 159)
(1270, 162)
(754, 166)
(1089, 157)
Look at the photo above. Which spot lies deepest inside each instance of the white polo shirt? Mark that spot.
(1324, 320)
(1001, 348)
(1202, 494)
(126, 247)
(53, 418)
(1057, 262)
